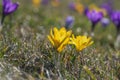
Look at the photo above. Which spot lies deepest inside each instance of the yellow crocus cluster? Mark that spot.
(60, 38)
(36, 3)
(80, 42)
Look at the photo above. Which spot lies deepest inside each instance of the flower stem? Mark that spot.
(92, 27)
(118, 30)
(2, 19)
(117, 42)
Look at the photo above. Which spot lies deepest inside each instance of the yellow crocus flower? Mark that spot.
(59, 38)
(80, 42)
(55, 3)
(79, 8)
(36, 3)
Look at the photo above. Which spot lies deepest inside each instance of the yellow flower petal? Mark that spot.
(51, 40)
(59, 38)
(80, 42)
(36, 3)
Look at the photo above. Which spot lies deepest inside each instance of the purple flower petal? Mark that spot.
(13, 7)
(4, 2)
(107, 7)
(9, 7)
(115, 17)
(94, 16)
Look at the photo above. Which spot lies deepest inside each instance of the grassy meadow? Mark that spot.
(27, 54)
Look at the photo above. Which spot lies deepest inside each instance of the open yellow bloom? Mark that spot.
(59, 38)
(80, 42)
(36, 3)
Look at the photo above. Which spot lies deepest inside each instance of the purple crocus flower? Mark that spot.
(69, 22)
(94, 17)
(107, 7)
(115, 17)
(72, 6)
(44, 2)
(8, 7)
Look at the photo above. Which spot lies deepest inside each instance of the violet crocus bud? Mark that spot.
(69, 22)
(94, 17)
(8, 7)
(115, 17)
(105, 22)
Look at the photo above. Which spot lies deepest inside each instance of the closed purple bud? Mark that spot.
(115, 17)
(105, 22)
(69, 22)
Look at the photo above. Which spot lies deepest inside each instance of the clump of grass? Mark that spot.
(38, 59)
